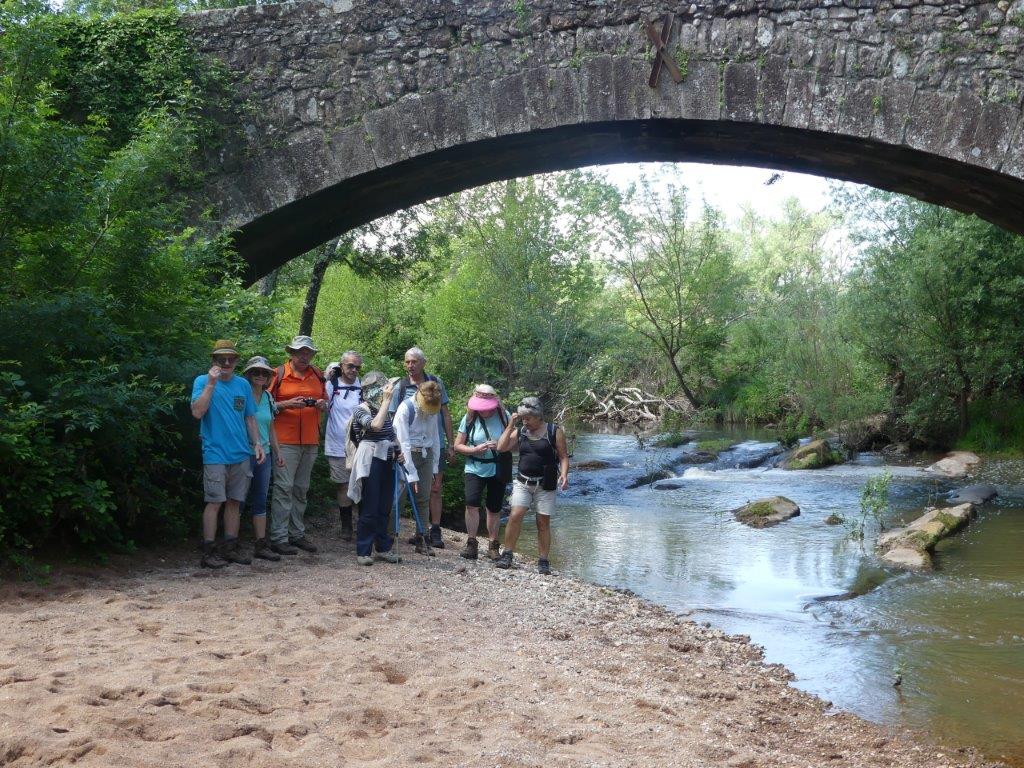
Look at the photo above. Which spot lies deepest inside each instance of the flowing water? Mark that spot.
(954, 636)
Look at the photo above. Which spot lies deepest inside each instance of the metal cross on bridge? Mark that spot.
(661, 57)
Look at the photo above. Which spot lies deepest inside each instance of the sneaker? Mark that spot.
(364, 560)
(304, 544)
(504, 560)
(230, 552)
(389, 557)
(470, 550)
(211, 558)
(435, 537)
(494, 549)
(262, 551)
(422, 546)
(283, 548)
(544, 567)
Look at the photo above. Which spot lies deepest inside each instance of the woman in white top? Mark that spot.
(416, 430)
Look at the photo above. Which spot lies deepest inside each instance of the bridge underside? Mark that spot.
(293, 229)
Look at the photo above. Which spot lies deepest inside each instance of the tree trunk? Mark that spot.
(316, 281)
(268, 284)
(682, 384)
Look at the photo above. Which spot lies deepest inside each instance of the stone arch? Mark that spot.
(357, 109)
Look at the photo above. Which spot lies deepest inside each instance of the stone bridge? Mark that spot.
(356, 108)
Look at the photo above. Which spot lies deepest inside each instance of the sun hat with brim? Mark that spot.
(484, 398)
(427, 408)
(301, 342)
(224, 347)
(257, 363)
(530, 406)
(373, 387)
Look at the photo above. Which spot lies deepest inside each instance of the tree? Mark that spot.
(684, 289)
(937, 295)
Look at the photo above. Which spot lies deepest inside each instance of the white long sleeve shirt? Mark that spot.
(421, 434)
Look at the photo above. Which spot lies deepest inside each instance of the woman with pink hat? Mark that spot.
(487, 470)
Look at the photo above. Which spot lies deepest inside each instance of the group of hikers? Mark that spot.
(387, 442)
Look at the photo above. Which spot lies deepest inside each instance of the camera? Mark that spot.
(309, 401)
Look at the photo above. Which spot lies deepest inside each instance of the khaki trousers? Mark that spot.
(291, 483)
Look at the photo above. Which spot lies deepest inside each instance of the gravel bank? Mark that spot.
(317, 661)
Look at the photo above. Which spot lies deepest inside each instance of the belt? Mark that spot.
(529, 480)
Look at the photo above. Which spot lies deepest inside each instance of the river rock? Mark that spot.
(974, 494)
(669, 485)
(592, 464)
(954, 464)
(815, 455)
(912, 545)
(767, 512)
(697, 457)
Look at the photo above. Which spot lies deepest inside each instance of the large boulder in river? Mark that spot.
(954, 464)
(767, 512)
(815, 455)
(912, 545)
(974, 494)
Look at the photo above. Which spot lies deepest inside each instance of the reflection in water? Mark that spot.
(955, 635)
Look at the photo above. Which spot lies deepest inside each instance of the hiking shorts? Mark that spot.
(533, 497)
(339, 472)
(222, 482)
(475, 486)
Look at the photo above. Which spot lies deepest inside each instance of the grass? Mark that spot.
(715, 445)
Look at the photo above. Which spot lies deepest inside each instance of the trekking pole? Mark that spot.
(421, 536)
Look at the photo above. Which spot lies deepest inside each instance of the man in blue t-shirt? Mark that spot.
(226, 410)
(415, 363)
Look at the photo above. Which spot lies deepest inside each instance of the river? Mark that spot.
(954, 636)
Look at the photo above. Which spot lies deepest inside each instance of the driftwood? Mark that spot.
(630, 405)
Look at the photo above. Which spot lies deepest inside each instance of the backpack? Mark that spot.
(404, 383)
(353, 435)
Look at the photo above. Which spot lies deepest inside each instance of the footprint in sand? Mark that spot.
(392, 675)
(223, 686)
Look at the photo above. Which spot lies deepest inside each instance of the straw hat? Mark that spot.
(224, 347)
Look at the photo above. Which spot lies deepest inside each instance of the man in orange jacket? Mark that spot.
(298, 388)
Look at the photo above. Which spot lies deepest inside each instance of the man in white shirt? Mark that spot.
(344, 393)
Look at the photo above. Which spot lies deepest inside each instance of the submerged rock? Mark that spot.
(592, 464)
(669, 485)
(815, 455)
(767, 512)
(954, 464)
(912, 545)
(974, 494)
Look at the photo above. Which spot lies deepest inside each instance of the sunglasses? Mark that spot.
(225, 360)
(259, 374)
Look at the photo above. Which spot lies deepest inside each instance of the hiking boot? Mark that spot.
(504, 560)
(283, 548)
(494, 549)
(304, 544)
(230, 552)
(389, 557)
(364, 560)
(422, 546)
(346, 523)
(435, 537)
(261, 550)
(470, 550)
(211, 559)
(544, 567)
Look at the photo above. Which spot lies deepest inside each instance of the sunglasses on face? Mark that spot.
(260, 375)
(224, 360)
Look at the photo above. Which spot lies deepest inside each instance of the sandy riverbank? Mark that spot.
(317, 661)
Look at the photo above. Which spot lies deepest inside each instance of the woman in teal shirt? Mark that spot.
(477, 440)
(260, 374)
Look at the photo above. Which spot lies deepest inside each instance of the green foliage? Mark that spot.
(672, 439)
(996, 427)
(110, 303)
(874, 505)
